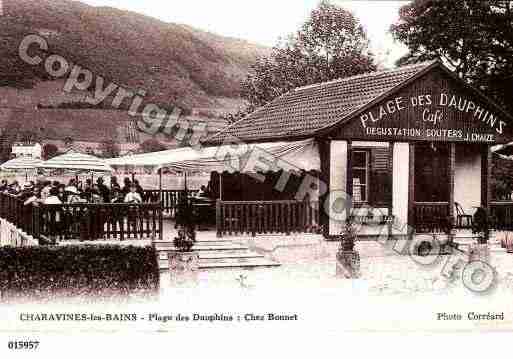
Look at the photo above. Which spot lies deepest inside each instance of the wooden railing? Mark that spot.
(84, 221)
(13, 210)
(266, 217)
(101, 221)
(431, 217)
(502, 214)
(168, 198)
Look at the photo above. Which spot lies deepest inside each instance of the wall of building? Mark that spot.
(401, 168)
(33, 150)
(338, 181)
(467, 177)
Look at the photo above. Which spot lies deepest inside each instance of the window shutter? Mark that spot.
(380, 191)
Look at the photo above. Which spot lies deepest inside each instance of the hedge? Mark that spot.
(77, 271)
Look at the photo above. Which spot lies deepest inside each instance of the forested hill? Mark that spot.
(175, 64)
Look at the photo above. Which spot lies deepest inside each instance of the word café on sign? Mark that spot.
(433, 117)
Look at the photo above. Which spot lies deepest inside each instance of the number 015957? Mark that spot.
(23, 344)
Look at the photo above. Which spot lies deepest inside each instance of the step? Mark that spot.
(230, 254)
(201, 247)
(216, 263)
(199, 241)
(244, 253)
(237, 263)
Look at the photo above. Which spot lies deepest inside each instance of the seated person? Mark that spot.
(96, 196)
(35, 199)
(203, 192)
(133, 196)
(117, 196)
(53, 197)
(73, 195)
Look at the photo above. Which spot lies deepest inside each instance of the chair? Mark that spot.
(461, 215)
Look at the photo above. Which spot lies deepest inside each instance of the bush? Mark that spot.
(76, 271)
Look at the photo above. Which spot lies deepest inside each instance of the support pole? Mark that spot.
(324, 153)
(452, 166)
(349, 180)
(486, 170)
(390, 206)
(219, 219)
(221, 186)
(411, 188)
(160, 180)
(160, 185)
(219, 232)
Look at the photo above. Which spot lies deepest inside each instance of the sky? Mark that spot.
(265, 21)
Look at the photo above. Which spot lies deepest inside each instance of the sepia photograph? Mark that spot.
(242, 173)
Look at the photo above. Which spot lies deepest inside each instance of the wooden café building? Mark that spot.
(411, 144)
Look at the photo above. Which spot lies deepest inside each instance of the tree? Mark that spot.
(49, 150)
(151, 145)
(109, 149)
(331, 44)
(28, 136)
(474, 38)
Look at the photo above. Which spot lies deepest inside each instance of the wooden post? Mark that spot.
(219, 219)
(390, 208)
(349, 180)
(411, 188)
(486, 169)
(161, 222)
(452, 165)
(160, 186)
(324, 153)
(221, 186)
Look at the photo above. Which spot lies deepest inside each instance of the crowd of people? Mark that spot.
(55, 192)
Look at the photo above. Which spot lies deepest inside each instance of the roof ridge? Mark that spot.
(401, 75)
(366, 74)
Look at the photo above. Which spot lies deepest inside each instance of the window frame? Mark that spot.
(367, 170)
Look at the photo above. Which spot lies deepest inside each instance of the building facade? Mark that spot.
(33, 150)
(412, 144)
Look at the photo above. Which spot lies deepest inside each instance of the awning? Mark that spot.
(270, 156)
(504, 150)
(76, 162)
(21, 163)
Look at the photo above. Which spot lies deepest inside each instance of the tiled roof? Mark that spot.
(304, 111)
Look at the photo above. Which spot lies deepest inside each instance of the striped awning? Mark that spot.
(21, 163)
(504, 150)
(76, 162)
(289, 156)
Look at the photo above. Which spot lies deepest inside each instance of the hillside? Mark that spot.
(175, 64)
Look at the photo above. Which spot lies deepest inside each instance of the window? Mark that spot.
(360, 163)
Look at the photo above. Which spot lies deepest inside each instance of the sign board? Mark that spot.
(432, 109)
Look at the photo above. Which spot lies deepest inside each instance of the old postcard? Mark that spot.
(233, 174)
